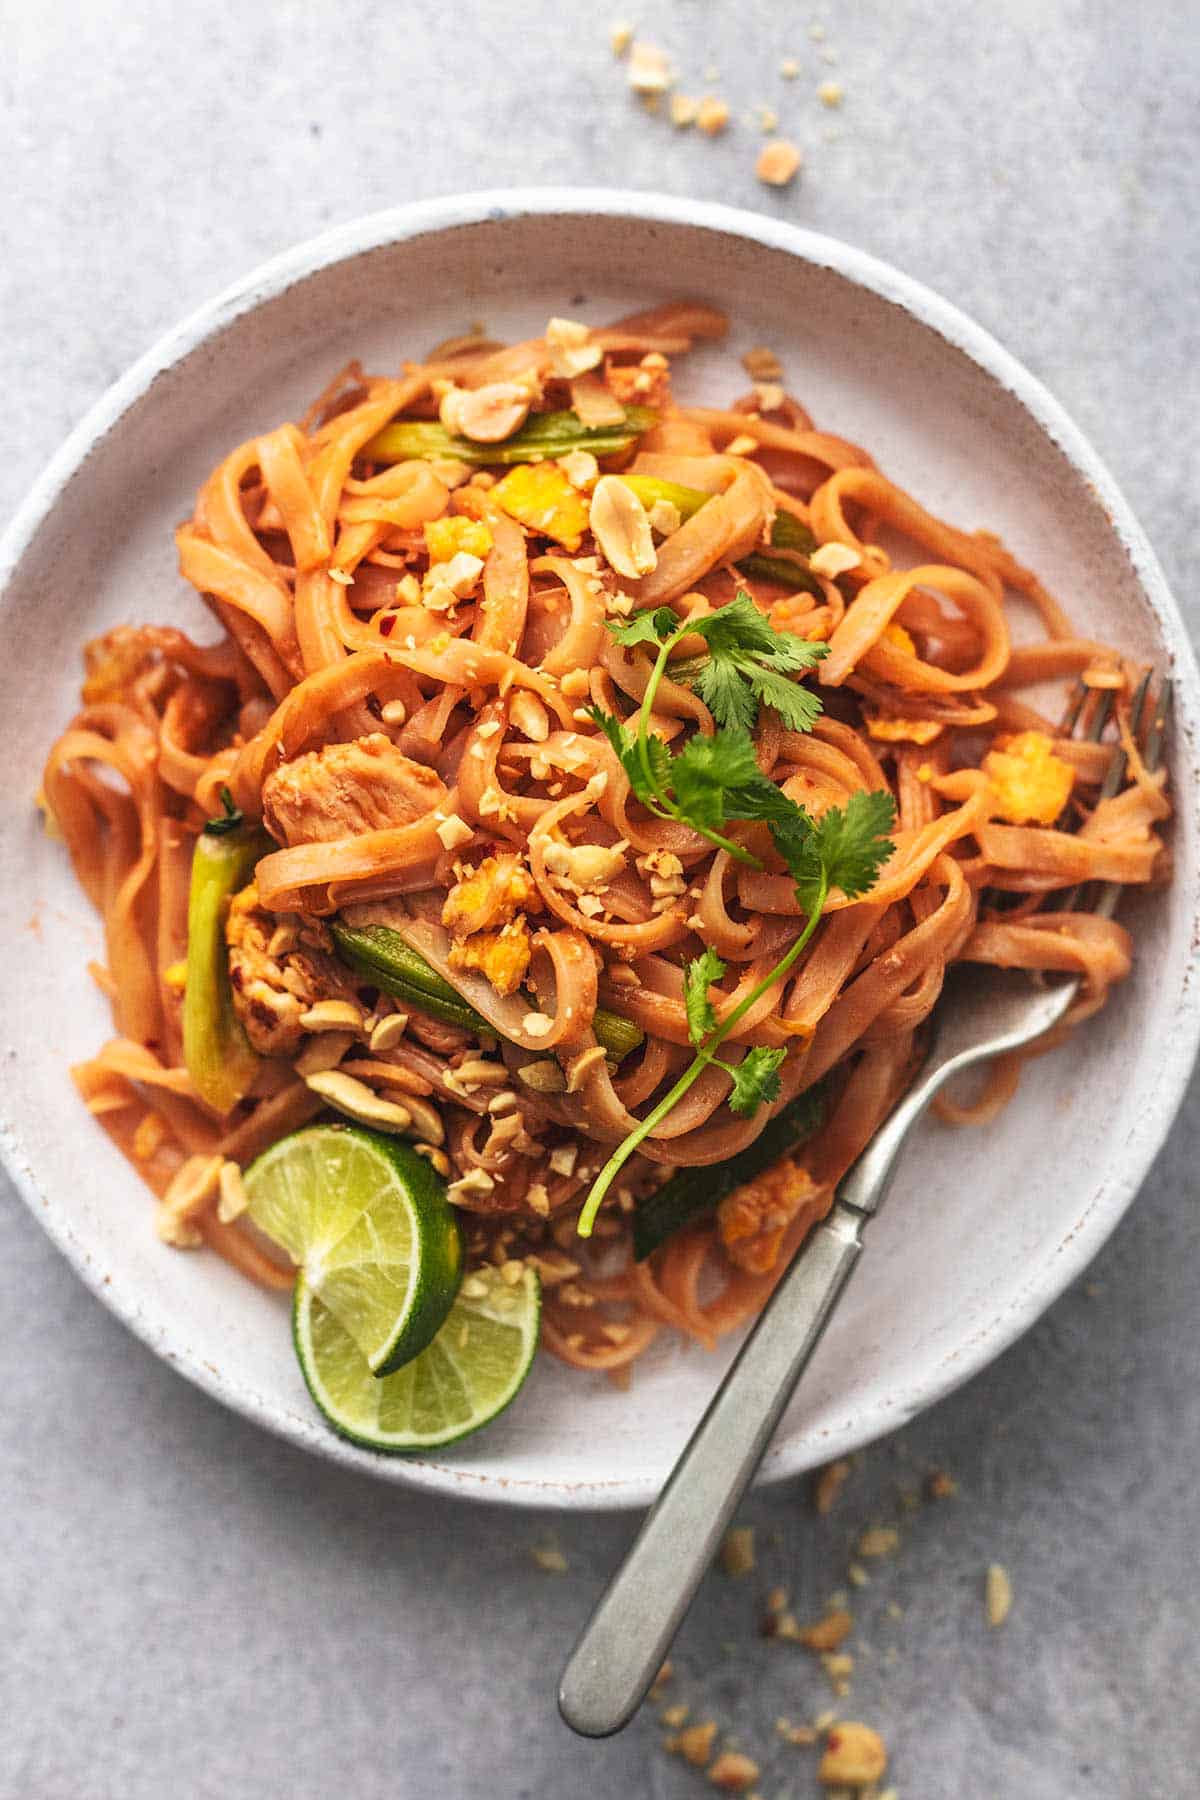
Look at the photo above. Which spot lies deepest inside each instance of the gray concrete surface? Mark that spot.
(192, 1609)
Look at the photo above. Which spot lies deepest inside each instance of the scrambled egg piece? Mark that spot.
(503, 956)
(903, 731)
(488, 896)
(753, 1219)
(444, 538)
(540, 496)
(1030, 785)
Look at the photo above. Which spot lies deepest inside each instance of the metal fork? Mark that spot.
(981, 1014)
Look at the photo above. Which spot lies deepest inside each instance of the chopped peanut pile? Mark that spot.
(753, 1219)
(1030, 785)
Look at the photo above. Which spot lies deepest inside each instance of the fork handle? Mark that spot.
(628, 1635)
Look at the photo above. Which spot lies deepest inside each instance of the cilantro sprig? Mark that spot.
(716, 779)
(748, 663)
(706, 783)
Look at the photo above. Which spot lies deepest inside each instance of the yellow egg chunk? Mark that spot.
(540, 496)
(444, 538)
(1030, 785)
(904, 731)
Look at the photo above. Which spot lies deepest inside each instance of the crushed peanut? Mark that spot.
(454, 832)
(834, 559)
(778, 162)
(476, 1184)
(855, 1756)
(830, 93)
(997, 1595)
(649, 69)
(695, 1743)
(683, 110)
(549, 1559)
(388, 1032)
(828, 1484)
(332, 1015)
(621, 528)
(233, 1199)
(190, 1193)
(762, 364)
(359, 1102)
(712, 116)
(620, 37)
(828, 1633)
(571, 352)
(733, 1772)
(879, 1540)
(486, 414)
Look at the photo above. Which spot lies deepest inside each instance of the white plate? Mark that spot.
(985, 1227)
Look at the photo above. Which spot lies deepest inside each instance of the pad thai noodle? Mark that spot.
(592, 789)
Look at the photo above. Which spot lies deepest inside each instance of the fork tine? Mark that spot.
(1155, 718)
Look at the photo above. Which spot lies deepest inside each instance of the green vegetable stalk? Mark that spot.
(219, 1060)
(693, 1192)
(542, 436)
(381, 956)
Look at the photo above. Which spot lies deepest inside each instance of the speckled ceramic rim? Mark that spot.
(284, 272)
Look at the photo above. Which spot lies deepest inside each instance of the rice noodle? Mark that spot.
(303, 549)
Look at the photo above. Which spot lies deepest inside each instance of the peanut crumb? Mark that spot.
(855, 1756)
(940, 1486)
(712, 116)
(829, 1633)
(997, 1595)
(879, 1540)
(674, 1716)
(831, 93)
(828, 1484)
(737, 1551)
(552, 1561)
(778, 163)
(695, 1743)
(684, 110)
(620, 37)
(789, 68)
(733, 1772)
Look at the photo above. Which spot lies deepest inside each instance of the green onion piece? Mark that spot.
(649, 490)
(381, 957)
(790, 533)
(543, 435)
(219, 1059)
(692, 1192)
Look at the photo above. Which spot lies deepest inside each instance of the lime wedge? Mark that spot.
(368, 1224)
(475, 1365)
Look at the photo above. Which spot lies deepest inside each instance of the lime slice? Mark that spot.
(368, 1224)
(475, 1365)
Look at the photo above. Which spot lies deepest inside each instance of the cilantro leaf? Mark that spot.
(750, 664)
(652, 627)
(797, 706)
(756, 1079)
(707, 769)
(698, 977)
(845, 848)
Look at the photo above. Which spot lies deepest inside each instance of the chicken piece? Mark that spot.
(278, 968)
(503, 956)
(1030, 785)
(343, 789)
(488, 896)
(752, 1220)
